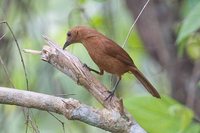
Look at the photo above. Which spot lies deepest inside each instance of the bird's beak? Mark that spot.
(67, 43)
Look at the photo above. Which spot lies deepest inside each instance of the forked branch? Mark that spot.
(112, 118)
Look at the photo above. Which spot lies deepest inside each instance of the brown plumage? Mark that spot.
(107, 55)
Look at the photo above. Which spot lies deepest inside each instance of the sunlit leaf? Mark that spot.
(97, 20)
(193, 47)
(193, 128)
(82, 1)
(159, 115)
(190, 24)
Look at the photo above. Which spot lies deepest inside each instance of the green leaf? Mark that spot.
(193, 47)
(82, 1)
(190, 24)
(159, 115)
(193, 128)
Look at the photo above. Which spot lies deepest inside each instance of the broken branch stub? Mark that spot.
(71, 66)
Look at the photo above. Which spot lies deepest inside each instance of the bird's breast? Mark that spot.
(104, 61)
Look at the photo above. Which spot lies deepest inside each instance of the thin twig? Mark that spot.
(23, 64)
(130, 30)
(63, 124)
(32, 123)
(26, 115)
(20, 53)
(6, 71)
(32, 51)
(3, 36)
(64, 95)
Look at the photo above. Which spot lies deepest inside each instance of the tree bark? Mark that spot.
(72, 109)
(112, 118)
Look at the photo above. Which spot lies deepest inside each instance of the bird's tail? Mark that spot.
(145, 82)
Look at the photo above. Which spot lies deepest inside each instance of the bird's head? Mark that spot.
(72, 37)
(78, 34)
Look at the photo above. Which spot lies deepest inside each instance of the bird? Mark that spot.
(107, 55)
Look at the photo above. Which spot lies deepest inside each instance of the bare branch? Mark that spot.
(62, 123)
(113, 118)
(3, 36)
(32, 51)
(71, 66)
(71, 109)
(24, 68)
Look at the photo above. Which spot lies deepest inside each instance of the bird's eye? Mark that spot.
(69, 34)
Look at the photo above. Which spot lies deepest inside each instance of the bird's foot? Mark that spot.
(110, 96)
(86, 66)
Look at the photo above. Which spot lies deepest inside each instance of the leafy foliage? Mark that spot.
(30, 19)
(156, 115)
(190, 24)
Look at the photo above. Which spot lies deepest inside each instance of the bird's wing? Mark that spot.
(114, 50)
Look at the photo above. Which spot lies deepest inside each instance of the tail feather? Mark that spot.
(145, 82)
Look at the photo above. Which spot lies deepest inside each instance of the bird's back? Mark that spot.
(108, 55)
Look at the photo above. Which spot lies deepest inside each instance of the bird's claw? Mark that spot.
(85, 65)
(110, 96)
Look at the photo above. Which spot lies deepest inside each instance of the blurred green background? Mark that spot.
(175, 23)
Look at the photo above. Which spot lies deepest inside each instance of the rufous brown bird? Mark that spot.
(107, 55)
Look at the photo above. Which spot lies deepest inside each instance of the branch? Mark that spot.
(70, 108)
(71, 66)
(112, 118)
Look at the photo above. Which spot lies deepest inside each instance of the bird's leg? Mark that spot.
(90, 69)
(112, 92)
